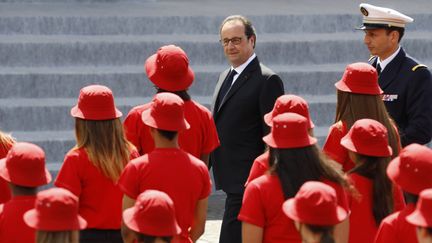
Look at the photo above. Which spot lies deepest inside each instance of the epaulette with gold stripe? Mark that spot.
(418, 66)
(370, 58)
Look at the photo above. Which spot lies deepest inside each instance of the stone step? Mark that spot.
(130, 81)
(54, 113)
(63, 50)
(100, 17)
(57, 143)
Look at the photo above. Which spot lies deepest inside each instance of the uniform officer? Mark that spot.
(407, 84)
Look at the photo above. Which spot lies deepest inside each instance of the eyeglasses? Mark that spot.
(234, 41)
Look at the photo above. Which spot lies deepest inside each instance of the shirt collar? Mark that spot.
(383, 63)
(242, 67)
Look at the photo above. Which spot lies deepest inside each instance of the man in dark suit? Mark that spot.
(244, 93)
(407, 85)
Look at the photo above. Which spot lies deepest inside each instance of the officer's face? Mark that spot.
(380, 43)
(237, 47)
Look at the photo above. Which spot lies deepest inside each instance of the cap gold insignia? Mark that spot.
(364, 11)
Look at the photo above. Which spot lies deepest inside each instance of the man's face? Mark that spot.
(380, 43)
(237, 47)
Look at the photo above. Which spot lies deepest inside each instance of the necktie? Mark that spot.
(225, 87)
(378, 68)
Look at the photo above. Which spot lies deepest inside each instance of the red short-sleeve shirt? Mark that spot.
(362, 222)
(262, 206)
(13, 229)
(334, 149)
(394, 228)
(171, 170)
(5, 193)
(259, 167)
(100, 199)
(201, 138)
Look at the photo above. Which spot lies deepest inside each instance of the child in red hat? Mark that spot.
(410, 170)
(295, 159)
(367, 142)
(283, 104)
(358, 97)
(6, 142)
(315, 212)
(55, 217)
(24, 170)
(152, 218)
(422, 217)
(91, 169)
(168, 69)
(169, 169)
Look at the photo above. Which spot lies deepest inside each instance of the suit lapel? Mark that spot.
(240, 81)
(391, 70)
(222, 77)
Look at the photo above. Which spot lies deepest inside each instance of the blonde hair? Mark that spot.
(6, 141)
(71, 236)
(352, 107)
(105, 144)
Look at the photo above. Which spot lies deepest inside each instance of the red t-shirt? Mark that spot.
(5, 193)
(177, 173)
(262, 206)
(394, 228)
(259, 167)
(333, 149)
(100, 199)
(362, 223)
(201, 138)
(13, 229)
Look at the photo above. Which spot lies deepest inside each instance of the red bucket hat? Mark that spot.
(96, 102)
(166, 112)
(56, 209)
(289, 130)
(289, 103)
(411, 168)
(315, 203)
(368, 137)
(422, 216)
(359, 78)
(169, 69)
(153, 214)
(24, 165)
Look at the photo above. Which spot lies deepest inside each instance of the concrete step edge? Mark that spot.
(128, 101)
(139, 69)
(82, 70)
(68, 135)
(196, 38)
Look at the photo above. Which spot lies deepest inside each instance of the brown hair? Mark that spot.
(295, 166)
(351, 107)
(105, 144)
(374, 168)
(57, 236)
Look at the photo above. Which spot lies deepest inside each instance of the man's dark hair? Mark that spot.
(401, 32)
(184, 95)
(170, 135)
(249, 28)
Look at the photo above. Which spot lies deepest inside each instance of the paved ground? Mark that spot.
(214, 218)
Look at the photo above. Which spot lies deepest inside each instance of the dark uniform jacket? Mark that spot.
(407, 87)
(240, 125)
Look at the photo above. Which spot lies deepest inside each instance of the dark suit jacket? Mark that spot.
(240, 125)
(408, 97)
